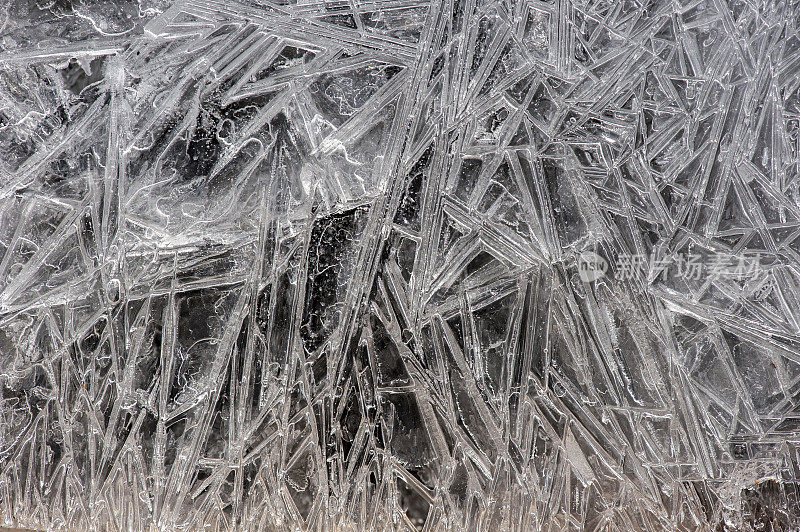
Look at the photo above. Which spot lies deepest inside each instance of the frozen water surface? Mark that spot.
(400, 264)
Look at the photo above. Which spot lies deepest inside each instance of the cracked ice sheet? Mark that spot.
(398, 264)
